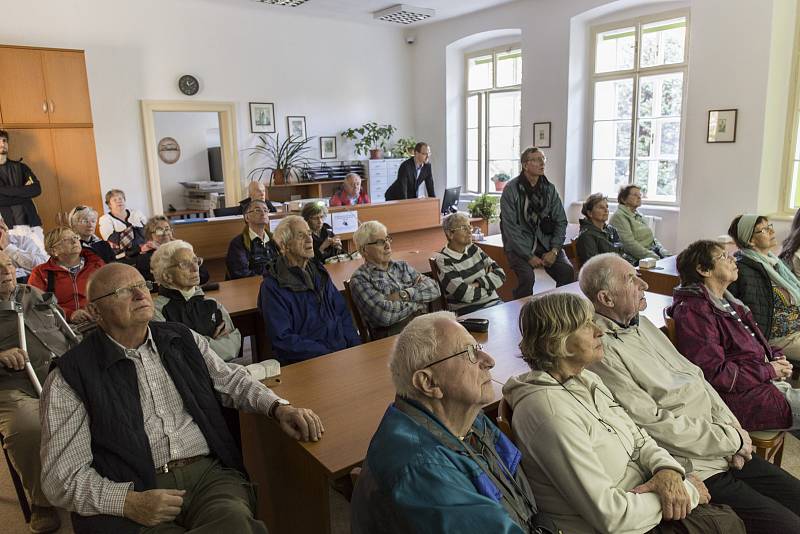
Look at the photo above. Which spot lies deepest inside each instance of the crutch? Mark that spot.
(23, 344)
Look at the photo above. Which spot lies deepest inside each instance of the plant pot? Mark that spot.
(278, 177)
(498, 185)
(375, 153)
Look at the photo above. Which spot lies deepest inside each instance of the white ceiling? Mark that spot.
(361, 10)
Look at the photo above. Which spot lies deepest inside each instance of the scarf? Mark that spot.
(535, 201)
(779, 274)
(198, 313)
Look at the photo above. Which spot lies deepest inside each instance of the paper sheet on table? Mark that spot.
(273, 223)
(344, 222)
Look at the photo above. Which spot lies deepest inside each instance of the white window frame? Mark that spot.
(636, 72)
(483, 113)
(792, 123)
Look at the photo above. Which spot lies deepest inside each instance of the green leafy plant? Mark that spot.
(404, 147)
(280, 157)
(370, 136)
(501, 177)
(485, 206)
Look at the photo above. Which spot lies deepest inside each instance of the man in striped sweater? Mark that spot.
(469, 277)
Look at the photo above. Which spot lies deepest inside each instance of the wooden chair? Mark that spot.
(768, 444)
(571, 250)
(435, 274)
(504, 414)
(669, 328)
(17, 481)
(363, 330)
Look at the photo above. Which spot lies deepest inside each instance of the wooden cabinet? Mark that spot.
(40, 87)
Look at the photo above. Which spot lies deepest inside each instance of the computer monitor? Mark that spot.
(450, 200)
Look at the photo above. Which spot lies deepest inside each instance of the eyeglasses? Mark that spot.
(188, 264)
(723, 256)
(87, 221)
(125, 292)
(69, 240)
(768, 228)
(543, 159)
(464, 227)
(381, 242)
(471, 352)
(162, 231)
(260, 211)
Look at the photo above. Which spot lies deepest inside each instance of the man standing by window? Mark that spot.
(534, 225)
(414, 177)
(18, 186)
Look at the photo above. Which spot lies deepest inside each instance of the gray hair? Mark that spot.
(366, 233)
(415, 347)
(284, 232)
(546, 322)
(80, 211)
(450, 221)
(597, 274)
(162, 258)
(526, 154)
(352, 175)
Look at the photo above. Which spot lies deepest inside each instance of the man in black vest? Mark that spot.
(133, 433)
(414, 177)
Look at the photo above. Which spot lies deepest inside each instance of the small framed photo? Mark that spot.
(327, 148)
(541, 134)
(722, 126)
(296, 128)
(262, 117)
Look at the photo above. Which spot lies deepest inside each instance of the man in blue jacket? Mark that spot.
(304, 313)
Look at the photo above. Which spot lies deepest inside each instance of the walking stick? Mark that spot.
(23, 344)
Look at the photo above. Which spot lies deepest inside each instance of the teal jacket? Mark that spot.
(518, 233)
(411, 482)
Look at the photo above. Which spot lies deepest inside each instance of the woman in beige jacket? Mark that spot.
(591, 467)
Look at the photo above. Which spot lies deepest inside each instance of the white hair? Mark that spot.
(597, 274)
(79, 211)
(416, 346)
(366, 233)
(450, 221)
(162, 258)
(284, 232)
(352, 175)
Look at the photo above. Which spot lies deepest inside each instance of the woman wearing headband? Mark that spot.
(83, 221)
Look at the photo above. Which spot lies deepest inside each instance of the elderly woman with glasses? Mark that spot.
(716, 332)
(437, 464)
(83, 221)
(637, 237)
(158, 231)
(67, 272)
(765, 284)
(326, 244)
(591, 467)
(388, 293)
(180, 299)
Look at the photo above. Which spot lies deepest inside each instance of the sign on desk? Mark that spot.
(344, 222)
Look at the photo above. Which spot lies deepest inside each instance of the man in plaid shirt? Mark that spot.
(387, 293)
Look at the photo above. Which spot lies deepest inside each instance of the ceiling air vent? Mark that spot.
(287, 3)
(403, 14)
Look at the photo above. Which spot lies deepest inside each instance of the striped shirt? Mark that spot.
(470, 279)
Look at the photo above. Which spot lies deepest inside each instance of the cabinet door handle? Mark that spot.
(52, 107)
(44, 106)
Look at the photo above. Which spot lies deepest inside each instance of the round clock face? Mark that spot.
(188, 85)
(169, 150)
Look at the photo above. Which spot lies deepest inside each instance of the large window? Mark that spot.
(638, 80)
(791, 198)
(494, 80)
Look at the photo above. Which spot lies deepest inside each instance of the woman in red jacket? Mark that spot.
(717, 332)
(67, 272)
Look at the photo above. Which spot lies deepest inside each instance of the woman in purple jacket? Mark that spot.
(717, 333)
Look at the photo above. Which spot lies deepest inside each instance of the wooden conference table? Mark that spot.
(350, 390)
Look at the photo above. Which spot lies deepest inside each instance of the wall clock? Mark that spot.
(188, 85)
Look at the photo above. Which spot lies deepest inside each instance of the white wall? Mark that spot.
(336, 73)
(194, 132)
(738, 50)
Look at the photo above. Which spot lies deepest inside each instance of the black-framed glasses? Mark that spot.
(381, 242)
(188, 264)
(127, 291)
(768, 228)
(471, 351)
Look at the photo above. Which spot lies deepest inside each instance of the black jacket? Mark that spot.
(754, 288)
(15, 192)
(593, 241)
(407, 183)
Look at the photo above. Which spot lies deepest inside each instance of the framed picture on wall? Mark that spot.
(327, 148)
(262, 117)
(296, 128)
(722, 126)
(541, 134)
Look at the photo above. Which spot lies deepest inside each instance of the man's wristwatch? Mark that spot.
(274, 406)
(404, 296)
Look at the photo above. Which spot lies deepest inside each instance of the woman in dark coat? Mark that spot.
(597, 237)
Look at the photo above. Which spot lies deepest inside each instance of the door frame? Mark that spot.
(226, 113)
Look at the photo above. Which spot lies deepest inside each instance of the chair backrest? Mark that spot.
(669, 328)
(224, 212)
(571, 250)
(360, 323)
(504, 414)
(436, 274)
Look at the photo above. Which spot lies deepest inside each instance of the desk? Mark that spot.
(350, 391)
(663, 278)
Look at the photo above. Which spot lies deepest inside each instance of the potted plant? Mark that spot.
(500, 180)
(404, 147)
(281, 157)
(485, 206)
(371, 138)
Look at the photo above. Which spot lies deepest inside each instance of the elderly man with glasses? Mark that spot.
(388, 293)
(304, 314)
(180, 299)
(133, 434)
(469, 277)
(251, 252)
(437, 464)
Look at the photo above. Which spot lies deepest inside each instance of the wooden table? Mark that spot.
(663, 278)
(350, 390)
